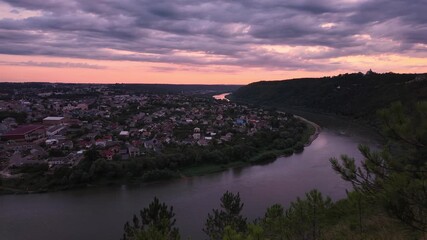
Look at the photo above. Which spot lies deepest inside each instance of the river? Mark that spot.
(100, 213)
(222, 96)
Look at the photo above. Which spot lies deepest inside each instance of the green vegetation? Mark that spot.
(228, 216)
(389, 200)
(396, 176)
(20, 117)
(155, 223)
(159, 174)
(356, 95)
(312, 217)
(265, 157)
(199, 170)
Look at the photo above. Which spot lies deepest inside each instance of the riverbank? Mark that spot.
(312, 133)
(264, 156)
(316, 127)
(341, 124)
(206, 169)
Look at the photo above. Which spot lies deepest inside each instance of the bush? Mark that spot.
(265, 157)
(159, 174)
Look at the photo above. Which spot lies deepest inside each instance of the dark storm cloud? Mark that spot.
(221, 32)
(45, 5)
(402, 20)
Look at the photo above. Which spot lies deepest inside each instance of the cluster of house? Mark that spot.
(30, 143)
(120, 126)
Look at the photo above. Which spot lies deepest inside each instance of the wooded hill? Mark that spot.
(356, 94)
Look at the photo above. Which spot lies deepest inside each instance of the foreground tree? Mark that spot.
(155, 223)
(229, 216)
(305, 218)
(254, 232)
(274, 222)
(396, 176)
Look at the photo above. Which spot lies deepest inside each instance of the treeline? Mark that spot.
(389, 199)
(356, 95)
(173, 88)
(133, 88)
(20, 117)
(171, 162)
(312, 217)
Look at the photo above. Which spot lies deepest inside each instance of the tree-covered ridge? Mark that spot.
(388, 201)
(355, 94)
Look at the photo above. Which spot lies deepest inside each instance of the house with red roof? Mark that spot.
(108, 154)
(27, 133)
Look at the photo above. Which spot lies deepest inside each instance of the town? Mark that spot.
(59, 126)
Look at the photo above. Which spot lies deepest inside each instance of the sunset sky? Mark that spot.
(207, 42)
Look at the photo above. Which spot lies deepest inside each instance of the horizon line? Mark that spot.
(201, 84)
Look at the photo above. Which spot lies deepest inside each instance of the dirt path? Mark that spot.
(316, 127)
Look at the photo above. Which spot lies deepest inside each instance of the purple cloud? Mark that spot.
(53, 64)
(231, 33)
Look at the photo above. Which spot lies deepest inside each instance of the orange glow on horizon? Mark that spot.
(19, 69)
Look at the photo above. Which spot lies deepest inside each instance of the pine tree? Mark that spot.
(229, 216)
(305, 217)
(396, 176)
(274, 222)
(155, 223)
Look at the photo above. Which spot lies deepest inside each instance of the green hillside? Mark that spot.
(355, 95)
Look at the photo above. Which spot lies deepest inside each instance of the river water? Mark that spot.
(222, 96)
(100, 213)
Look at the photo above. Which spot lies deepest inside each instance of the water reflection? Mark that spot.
(237, 172)
(100, 213)
(320, 142)
(222, 96)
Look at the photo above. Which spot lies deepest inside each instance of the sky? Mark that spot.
(208, 42)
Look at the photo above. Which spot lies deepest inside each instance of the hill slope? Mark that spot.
(355, 94)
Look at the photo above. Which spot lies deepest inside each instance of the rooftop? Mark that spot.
(124, 133)
(23, 129)
(53, 118)
(55, 128)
